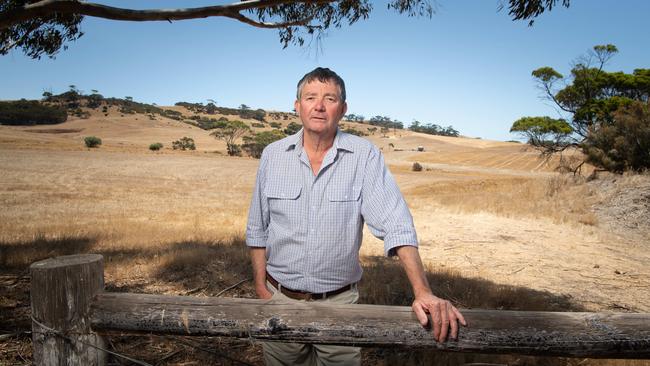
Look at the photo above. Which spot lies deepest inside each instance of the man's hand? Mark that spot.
(263, 292)
(444, 315)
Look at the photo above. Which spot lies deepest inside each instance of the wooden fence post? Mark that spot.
(62, 292)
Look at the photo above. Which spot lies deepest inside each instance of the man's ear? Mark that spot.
(344, 110)
(296, 104)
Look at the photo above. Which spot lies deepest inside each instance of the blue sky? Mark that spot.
(469, 66)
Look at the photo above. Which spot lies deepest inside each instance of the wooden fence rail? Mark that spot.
(68, 301)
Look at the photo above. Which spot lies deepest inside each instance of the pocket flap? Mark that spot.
(283, 192)
(345, 194)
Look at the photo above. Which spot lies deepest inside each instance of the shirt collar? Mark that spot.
(342, 141)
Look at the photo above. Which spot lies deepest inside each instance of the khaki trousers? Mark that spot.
(286, 354)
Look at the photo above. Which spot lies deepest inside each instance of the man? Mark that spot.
(313, 193)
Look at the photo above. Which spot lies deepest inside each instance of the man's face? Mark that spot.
(320, 107)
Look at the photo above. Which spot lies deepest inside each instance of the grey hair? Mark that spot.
(323, 75)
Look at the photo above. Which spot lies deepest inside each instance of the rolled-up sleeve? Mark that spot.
(384, 208)
(258, 214)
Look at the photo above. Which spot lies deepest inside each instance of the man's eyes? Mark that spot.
(327, 99)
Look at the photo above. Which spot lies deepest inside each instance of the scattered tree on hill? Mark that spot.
(548, 133)
(94, 100)
(72, 97)
(44, 27)
(594, 100)
(211, 108)
(230, 132)
(254, 145)
(155, 146)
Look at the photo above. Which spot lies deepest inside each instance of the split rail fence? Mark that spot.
(71, 312)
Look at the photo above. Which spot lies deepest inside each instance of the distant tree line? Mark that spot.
(30, 112)
(243, 111)
(383, 121)
(433, 129)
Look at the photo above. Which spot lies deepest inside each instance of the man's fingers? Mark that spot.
(420, 314)
(453, 322)
(434, 309)
(444, 323)
(460, 316)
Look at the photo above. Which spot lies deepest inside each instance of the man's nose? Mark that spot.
(320, 106)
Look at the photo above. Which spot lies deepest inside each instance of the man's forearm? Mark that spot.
(414, 269)
(258, 260)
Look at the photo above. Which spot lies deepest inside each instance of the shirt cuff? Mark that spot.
(401, 239)
(258, 241)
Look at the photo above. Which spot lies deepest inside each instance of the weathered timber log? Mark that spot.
(61, 295)
(599, 335)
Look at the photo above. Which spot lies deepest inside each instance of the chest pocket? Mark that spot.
(284, 205)
(344, 205)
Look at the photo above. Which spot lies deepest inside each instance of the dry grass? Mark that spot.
(203, 268)
(561, 198)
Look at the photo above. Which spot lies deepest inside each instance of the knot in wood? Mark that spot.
(276, 325)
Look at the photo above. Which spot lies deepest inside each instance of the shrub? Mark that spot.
(275, 125)
(257, 114)
(185, 143)
(92, 141)
(416, 167)
(354, 131)
(257, 124)
(292, 128)
(175, 115)
(155, 146)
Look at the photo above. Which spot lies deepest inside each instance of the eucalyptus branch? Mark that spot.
(46, 8)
